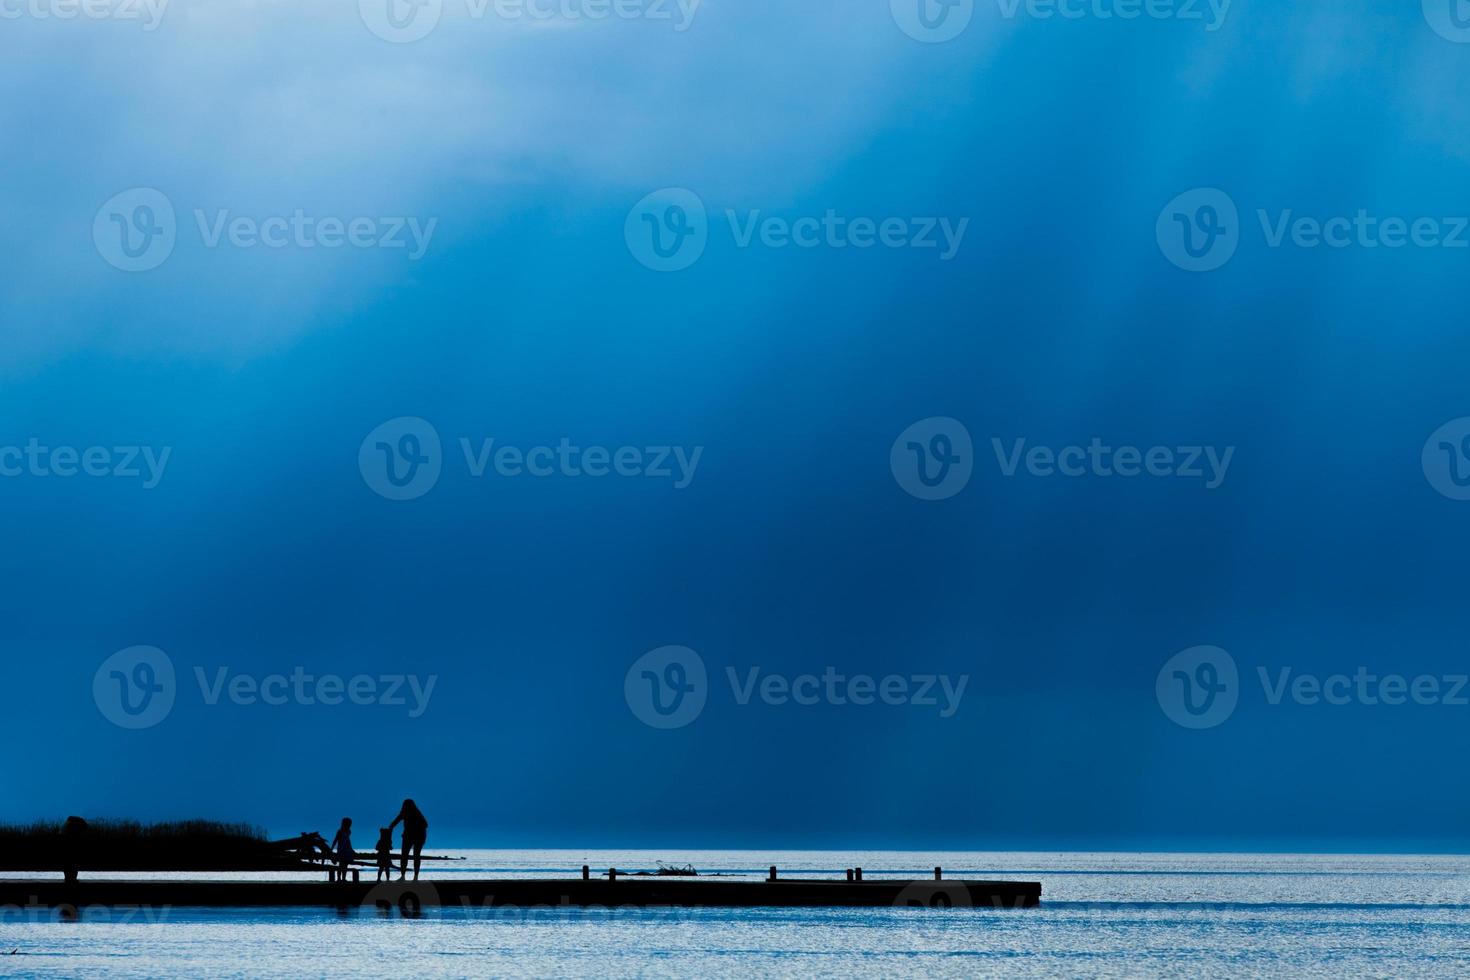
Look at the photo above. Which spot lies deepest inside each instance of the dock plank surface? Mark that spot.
(524, 893)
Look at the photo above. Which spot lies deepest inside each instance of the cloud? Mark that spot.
(265, 107)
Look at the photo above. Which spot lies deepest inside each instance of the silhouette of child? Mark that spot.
(385, 854)
(342, 845)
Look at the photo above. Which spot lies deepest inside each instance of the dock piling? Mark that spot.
(773, 873)
(849, 874)
(586, 873)
(612, 874)
(938, 873)
(859, 873)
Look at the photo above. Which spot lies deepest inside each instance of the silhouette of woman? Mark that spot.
(415, 832)
(342, 846)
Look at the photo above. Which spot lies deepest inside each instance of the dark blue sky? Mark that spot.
(794, 547)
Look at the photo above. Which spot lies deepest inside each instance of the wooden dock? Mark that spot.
(623, 892)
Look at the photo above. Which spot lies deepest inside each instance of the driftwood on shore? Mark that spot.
(664, 871)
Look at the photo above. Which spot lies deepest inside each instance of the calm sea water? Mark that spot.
(1102, 915)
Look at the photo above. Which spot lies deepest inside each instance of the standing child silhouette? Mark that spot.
(385, 854)
(342, 847)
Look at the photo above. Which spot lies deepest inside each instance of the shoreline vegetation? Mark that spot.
(180, 845)
(128, 845)
(135, 830)
(194, 845)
